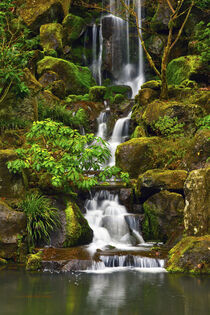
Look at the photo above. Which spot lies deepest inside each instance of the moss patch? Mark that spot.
(34, 261)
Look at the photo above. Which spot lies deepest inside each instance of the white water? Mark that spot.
(124, 71)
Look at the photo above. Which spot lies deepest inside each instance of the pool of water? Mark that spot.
(120, 292)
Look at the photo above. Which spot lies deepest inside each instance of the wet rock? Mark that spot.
(126, 198)
(12, 226)
(51, 36)
(37, 12)
(161, 18)
(197, 209)
(190, 255)
(11, 185)
(163, 216)
(146, 96)
(73, 27)
(77, 79)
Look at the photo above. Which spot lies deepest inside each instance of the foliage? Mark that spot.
(15, 50)
(203, 123)
(169, 127)
(65, 155)
(61, 114)
(13, 123)
(203, 4)
(42, 218)
(202, 35)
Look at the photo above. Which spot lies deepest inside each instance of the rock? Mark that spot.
(73, 27)
(126, 198)
(37, 12)
(11, 185)
(184, 113)
(182, 68)
(78, 231)
(12, 226)
(190, 255)
(34, 261)
(51, 36)
(163, 216)
(97, 93)
(77, 79)
(161, 18)
(139, 132)
(118, 98)
(144, 97)
(156, 44)
(162, 179)
(197, 209)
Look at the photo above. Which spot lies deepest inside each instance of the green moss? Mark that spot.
(182, 68)
(150, 225)
(117, 89)
(153, 84)
(51, 36)
(77, 79)
(119, 98)
(73, 26)
(78, 231)
(34, 261)
(97, 93)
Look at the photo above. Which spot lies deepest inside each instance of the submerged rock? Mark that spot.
(77, 79)
(12, 226)
(191, 254)
(197, 210)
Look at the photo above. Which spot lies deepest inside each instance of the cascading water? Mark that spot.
(124, 69)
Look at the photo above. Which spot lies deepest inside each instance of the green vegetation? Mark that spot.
(42, 218)
(204, 123)
(202, 35)
(150, 226)
(169, 127)
(97, 93)
(65, 155)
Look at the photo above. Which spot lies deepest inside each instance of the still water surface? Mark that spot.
(128, 292)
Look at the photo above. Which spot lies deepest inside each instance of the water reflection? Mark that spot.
(128, 292)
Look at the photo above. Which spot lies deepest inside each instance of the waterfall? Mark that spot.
(124, 69)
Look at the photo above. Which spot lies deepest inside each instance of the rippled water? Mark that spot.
(123, 292)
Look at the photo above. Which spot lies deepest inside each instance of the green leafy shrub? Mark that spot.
(42, 218)
(13, 123)
(203, 123)
(169, 127)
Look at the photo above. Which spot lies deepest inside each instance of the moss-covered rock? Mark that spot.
(139, 132)
(118, 89)
(11, 185)
(51, 36)
(161, 18)
(163, 216)
(182, 68)
(190, 255)
(97, 93)
(145, 96)
(12, 226)
(118, 98)
(73, 27)
(152, 84)
(136, 155)
(78, 231)
(3, 262)
(197, 210)
(34, 261)
(162, 179)
(78, 80)
(37, 12)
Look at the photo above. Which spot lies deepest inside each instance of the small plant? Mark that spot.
(42, 218)
(169, 127)
(203, 123)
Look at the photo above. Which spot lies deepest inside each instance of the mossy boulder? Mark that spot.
(12, 226)
(163, 216)
(11, 185)
(51, 36)
(118, 98)
(37, 12)
(77, 79)
(152, 84)
(182, 68)
(97, 93)
(73, 27)
(190, 255)
(162, 179)
(197, 210)
(145, 96)
(78, 231)
(34, 261)
(136, 155)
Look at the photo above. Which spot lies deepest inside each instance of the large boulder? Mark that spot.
(73, 27)
(163, 218)
(51, 36)
(77, 79)
(197, 209)
(77, 229)
(191, 255)
(11, 186)
(12, 226)
(37, 12)
(183, 68)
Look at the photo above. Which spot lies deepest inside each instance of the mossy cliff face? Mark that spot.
(78, 231)
(191, 254)
(197, 210)
(77, 80)
(12, 226)
(37, 12)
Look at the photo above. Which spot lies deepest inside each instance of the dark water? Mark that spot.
(123, 292)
